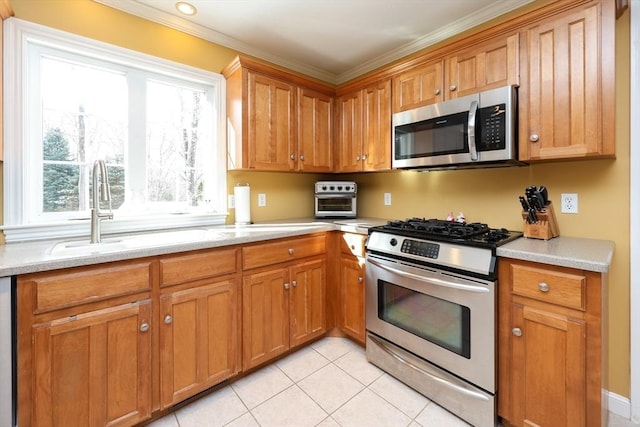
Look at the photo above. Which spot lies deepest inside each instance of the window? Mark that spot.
(69, 101)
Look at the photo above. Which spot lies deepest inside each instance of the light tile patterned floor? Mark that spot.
(327, 384)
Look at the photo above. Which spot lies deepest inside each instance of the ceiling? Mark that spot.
(332, 40)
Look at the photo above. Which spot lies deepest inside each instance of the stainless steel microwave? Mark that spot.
(473, 131)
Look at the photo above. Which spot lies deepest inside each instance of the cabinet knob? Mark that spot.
(543, 287)
(144, 327)
(453, 87)
(364, 157)
(358, 158)
(292, 156)
(517, 332)
(436, 92)
(291, 251)
(168, 319)
(360, 279)
(302, 157)
(286, 286)
(534, 137)
(294, 283)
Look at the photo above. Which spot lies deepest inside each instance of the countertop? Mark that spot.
(30, 257)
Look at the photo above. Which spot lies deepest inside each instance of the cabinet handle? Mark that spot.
(517, 332)
(453, 87)
(436, 92)
(168, 319)
(291, 251)
(144, 327)
(358, 158)
(302, 157)
(543, 287)
(286, 286)
(360, 279)
(364, 157)
(294, 283)
(292, 156)
(534, 137)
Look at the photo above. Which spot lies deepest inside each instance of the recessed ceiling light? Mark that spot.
(186, 8)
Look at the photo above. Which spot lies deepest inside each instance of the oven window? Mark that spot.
(335, 204)
(442, 322)
(433, 137)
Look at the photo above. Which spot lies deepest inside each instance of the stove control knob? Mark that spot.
(393, 242)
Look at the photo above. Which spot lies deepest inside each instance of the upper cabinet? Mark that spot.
(364, 129)
(276, 120)
(481, 66)
(567, 92)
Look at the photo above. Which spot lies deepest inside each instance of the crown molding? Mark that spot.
(147, 12)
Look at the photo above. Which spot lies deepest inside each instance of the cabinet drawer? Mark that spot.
(553, 286)
(77, 286)
(282, 251)
(185, 268)
(352, 244)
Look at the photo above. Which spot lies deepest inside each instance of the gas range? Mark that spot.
(467, 248)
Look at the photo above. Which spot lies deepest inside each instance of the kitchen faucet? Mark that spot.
(99, 168)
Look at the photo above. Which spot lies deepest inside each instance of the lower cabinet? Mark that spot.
(283, 305)
(551, 340)
(351, 318)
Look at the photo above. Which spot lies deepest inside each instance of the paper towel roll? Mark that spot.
(242, 195)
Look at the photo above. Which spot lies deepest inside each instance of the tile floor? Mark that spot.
(328, 383)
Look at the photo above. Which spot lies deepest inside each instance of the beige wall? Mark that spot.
(483, 195)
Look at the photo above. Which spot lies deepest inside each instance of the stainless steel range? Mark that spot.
(431, 310)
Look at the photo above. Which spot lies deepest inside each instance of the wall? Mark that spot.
(483, 195)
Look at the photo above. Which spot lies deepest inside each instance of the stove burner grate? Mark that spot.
(436, 227)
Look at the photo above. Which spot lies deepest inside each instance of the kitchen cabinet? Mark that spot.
(567, 93)
(482, 66)
(200, 322)
(364, 129)
(352, 286)
(551, 340)
(84, 346)
(283, 296)
(277, 121)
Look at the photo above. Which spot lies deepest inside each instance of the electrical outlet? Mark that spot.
(387, 199)
(262, 199)
(231, 201)
(569, 203)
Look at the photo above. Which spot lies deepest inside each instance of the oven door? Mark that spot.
(335, 206)
(446, 319)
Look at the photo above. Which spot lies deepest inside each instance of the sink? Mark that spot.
(136, 241)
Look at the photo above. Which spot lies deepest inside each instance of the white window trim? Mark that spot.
(17, 33)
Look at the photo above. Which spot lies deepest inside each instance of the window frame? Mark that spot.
(18, 155)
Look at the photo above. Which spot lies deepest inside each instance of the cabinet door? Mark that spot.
(483, 67)
(376, 127)
(315, 131)
(352, 297)
(307, 296)
(422, 85)
(265, 316)
(198, 339)
(562, 109)
(271, 142)
(93, 369)
(548, 368)
(349, 143)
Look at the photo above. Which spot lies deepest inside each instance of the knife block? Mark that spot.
(547, 226)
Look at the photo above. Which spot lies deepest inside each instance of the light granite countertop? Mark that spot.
(584, 254)
(30, 257)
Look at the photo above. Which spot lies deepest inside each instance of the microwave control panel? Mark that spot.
(492, 126)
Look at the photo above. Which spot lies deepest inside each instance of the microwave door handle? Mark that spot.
(471, 127)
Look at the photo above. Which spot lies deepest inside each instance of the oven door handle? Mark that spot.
(447, 383)
(431, 280)
(471, 129)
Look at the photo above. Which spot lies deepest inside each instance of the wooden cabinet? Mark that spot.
(567, 92)
(551, 341)
(200, 322)
(351, 318)
(364, 129)
(277, 121)
(283, 296)
(483, 66)
(85, 346)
